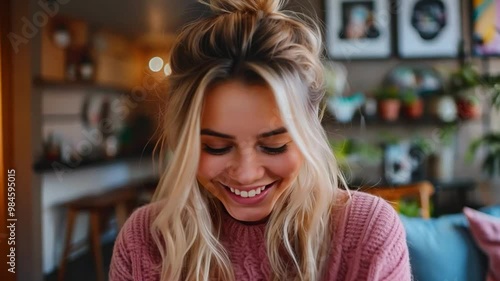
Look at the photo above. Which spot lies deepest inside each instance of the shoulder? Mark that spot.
(134, 245)
(370, 220)
(364, 207)
(137, 227)
(371, 234)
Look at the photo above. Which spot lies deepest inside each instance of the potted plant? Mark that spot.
(413, 105)
(389, 102)
(491, 162)
(464, 84)
(490, 140)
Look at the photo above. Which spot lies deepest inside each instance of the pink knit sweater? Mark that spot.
(369, 244)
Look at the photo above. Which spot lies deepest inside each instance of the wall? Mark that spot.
(366, 75)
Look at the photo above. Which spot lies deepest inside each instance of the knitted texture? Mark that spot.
(369, 244)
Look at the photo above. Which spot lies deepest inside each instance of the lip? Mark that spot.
(249, 200)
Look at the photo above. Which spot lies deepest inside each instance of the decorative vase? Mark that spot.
(343, 108)
(446, 109)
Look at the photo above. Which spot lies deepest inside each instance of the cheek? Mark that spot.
(287, 165)
(210, 166)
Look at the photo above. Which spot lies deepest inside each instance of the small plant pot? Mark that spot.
(414, 110)
(468, 109)
(389, 109)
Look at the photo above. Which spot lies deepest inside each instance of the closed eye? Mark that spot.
(216, 151)
(274, 150)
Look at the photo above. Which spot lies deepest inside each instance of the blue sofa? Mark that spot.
(443, 249)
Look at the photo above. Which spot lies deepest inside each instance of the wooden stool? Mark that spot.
(119, 200)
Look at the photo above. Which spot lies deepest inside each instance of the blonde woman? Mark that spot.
(251, 190)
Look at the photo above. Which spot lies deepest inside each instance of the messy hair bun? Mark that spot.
(253, 6)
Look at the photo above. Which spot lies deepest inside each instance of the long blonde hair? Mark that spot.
(252, 40)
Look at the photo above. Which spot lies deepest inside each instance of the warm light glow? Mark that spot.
(155, 64)
(167, 69)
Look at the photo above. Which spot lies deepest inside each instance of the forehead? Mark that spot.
(236, 106)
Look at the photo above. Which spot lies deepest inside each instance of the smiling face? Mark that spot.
(247, 159)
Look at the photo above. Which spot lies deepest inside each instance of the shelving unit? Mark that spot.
(57, 165)
(72, 85)
(358, 120)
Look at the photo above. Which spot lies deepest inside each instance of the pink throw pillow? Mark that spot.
(486, 232)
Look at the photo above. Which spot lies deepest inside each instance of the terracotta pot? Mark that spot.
(414, 110)
(389, 109)
(468, 109)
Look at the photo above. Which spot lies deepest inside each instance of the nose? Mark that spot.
(246, 168)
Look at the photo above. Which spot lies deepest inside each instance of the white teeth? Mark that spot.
(247, 194)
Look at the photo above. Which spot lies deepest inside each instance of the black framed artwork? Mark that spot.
(429, 28)
(358, 29)
(486, 27)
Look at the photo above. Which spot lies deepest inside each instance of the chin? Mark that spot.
(247, 214)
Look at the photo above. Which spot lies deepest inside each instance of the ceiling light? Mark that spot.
(155, 64)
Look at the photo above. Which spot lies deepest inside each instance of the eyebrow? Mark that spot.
(210, 132)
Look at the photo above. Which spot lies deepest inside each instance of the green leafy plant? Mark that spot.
(387, 93)
(347, 148)
(411, 208)
(494, 82)
(468, 77)
(464, 78)
(446, 134)
(424, 145)
(409, 96)
(496, 96)
(491, 162)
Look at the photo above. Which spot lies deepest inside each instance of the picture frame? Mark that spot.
(429, 28)
(358, 29)
(485, 21)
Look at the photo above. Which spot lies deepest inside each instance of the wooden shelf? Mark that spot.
(71, 85)
(57, 165)
(357, 122)
(62, 118)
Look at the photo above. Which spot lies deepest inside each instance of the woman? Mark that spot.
(252, 190)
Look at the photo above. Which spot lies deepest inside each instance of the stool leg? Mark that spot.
(96, 244)
(121, 214)
(70, 221)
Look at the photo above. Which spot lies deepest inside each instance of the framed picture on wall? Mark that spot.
(358, 29)
(486, 27)
(429, 28)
